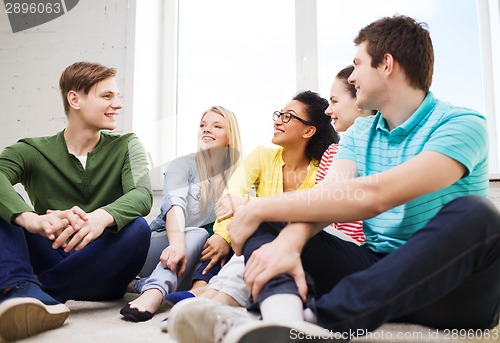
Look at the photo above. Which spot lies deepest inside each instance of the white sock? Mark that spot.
(310, 316)
(282, 307)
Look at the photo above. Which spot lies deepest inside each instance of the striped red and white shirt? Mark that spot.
(354, 229)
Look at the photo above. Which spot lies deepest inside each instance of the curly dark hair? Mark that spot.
(325, 135)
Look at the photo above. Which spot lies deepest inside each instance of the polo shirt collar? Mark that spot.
(405, 128)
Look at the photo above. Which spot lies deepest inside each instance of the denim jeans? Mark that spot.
(198, 276)
(446, 276)
(154, 275)
(100, 271)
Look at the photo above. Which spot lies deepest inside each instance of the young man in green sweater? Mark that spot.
(84, 238)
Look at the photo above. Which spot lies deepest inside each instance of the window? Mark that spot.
(240, 55)
(454, 29)
(454, 32)
(253, 56)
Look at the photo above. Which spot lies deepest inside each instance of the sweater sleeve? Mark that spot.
(137, 198)
(12, 168)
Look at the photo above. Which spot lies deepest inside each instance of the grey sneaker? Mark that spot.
(203, 320)
(280, 332)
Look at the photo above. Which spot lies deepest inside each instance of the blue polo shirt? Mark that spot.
(456, 132)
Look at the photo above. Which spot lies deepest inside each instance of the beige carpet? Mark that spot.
(101, 322)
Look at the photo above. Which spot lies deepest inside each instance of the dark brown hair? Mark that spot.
(407, 40)
(343, 75)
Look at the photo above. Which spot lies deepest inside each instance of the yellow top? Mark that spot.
(263, 168)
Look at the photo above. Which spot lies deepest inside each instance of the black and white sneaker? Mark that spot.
(280, 332)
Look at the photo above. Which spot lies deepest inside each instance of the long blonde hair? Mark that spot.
(233, 156)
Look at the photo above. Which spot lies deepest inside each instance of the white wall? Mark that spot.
(31, 62)
(104, 31)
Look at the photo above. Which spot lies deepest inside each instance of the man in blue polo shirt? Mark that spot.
(416, 173)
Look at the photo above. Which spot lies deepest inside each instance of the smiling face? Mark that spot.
(369, 81)
(293, 130)
(98, 109)
(342, 108)
(213, 132)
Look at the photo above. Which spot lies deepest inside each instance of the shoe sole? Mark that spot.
(278, 332)
(24, 317)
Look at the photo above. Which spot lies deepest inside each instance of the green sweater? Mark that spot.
(115, 178)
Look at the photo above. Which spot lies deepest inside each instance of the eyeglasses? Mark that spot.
(287, 116)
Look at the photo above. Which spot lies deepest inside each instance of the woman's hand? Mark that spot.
(228, 204)
(174, 258)
(216, 250)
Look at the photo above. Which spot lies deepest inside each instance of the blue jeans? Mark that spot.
(154, 275)
(212, 272)
(446, 276)
(100, 271)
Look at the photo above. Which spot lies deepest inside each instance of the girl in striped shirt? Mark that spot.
(343, 111)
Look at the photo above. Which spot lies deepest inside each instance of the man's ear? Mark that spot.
(311, 130)
(388, 62)
(73, 100)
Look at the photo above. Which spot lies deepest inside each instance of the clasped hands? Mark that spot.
(70, 229)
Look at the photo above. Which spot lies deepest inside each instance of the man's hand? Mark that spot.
(245, 222)
(273, 259)
(227, 205)
(87, 231)
(216, 250)
(52, 223)
(174, 258)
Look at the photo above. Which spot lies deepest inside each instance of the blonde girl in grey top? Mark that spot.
(192, 184)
